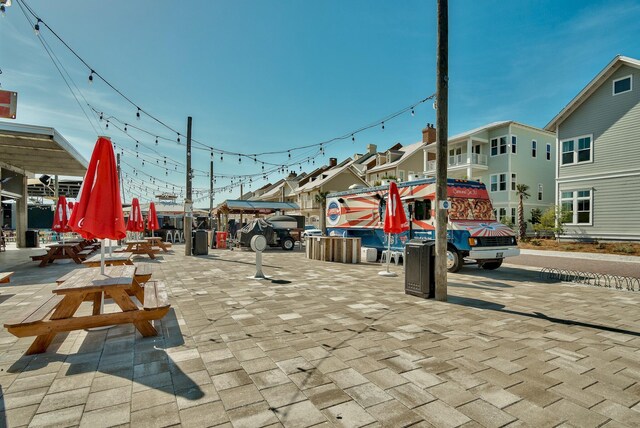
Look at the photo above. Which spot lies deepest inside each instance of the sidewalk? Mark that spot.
(578, 255)
(328, 344)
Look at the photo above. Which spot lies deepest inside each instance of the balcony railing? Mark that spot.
(460, 160)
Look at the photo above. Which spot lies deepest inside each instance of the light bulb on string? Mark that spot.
(413, 113)
(107, 125)
(36, 27)
(125, 127)
(178, 139)
(156, 141)
(91, 76)
(138, 114)
(353, 138)
(136, 145)
(382, 125)
(239, 159)
(221, 158)
(100, 115)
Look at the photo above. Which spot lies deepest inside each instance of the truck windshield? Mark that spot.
(471, 209)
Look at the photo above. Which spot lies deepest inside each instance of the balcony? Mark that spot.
(461, 161)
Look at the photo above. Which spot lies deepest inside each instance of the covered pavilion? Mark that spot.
(27, 150)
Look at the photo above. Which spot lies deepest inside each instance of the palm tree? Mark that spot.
(321, 198)
(521, 191)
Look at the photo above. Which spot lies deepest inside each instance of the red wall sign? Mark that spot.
(8, 104)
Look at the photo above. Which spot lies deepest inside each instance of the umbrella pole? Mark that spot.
(388, 251)
(102, 257)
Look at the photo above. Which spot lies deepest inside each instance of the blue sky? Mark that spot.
(267, 75)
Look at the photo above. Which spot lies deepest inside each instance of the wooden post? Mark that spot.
(442, 100)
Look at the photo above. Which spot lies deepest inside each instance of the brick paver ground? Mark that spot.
(326, 344)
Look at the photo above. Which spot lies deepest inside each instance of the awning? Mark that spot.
(240, 206)
(39, 150)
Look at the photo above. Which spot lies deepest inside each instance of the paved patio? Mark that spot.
(334, 345)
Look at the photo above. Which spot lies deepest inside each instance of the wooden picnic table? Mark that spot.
(157, 241)
(72, 250)
(141, 246)
(113, 259)
(89, 284)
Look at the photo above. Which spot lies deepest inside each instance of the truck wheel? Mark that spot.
(288, 243)
(492, 265)
(454, 261)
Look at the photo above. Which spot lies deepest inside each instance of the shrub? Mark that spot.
(626, 249)
(535, 242)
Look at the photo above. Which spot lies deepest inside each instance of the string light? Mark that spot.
(107, 125)
(138, 114)
(413, 113)
(156, 141)
(125, 127)
(36, 27)
(100, 116)
(178, 138)
(353, 138)
(382, 123)
(91, 76)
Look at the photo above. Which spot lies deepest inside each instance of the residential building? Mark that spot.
(502, 155)
(333, 179)
(401, 162)
(598, 151)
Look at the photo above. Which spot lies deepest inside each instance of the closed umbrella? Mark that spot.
(61, 217)
(395, 221)
(152, 218)
(135, 222)
(97, 214)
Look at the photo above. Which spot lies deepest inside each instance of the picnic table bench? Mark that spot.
(141, 247)
(5, 277)
(113, 259)
(62, 251)
(56, 314)
(158, 242)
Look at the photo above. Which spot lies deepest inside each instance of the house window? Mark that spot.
(411, 175)
(494, 146)
(503, 214)
(534, 149)
(494, 183)
(400, 175)
(503, 182)
(513, 181)
(513, 216)
(622, 85)
(503, 145)
(576, 150)
(539, 192)
(514, 144)
(476, 149)
(548, 151)
(577, 205)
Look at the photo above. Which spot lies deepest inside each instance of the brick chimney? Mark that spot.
(372, 148)
(429, 134)
(333, 162)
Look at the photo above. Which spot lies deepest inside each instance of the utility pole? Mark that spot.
(241, 193)
(211, 197)
(120, 176)
(188, 207)
(442, 100)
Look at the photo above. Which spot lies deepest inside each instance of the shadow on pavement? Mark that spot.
(115, 352)
(483, 304)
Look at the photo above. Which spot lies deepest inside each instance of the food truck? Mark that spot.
(473, 233)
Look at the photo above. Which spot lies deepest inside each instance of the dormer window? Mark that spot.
(622, 85)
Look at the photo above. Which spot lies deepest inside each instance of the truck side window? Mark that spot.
(423, 210)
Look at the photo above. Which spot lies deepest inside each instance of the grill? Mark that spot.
(495, 241)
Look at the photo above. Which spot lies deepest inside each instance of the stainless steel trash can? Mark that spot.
(419, 278)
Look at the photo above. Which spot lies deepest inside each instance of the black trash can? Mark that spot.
(199, 240)
(419, 277)
(32, 238)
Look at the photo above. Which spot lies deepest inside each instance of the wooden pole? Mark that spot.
(442, 100)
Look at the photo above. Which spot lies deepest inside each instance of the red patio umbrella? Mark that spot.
(395, 220)
(135, 222)
(152, 218)
(98, 210)
(61, 217)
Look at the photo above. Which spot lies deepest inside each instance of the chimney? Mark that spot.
(429, 134)
(372, 148)
(333, 162)
(292, 174)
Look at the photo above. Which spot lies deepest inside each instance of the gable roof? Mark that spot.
(591, 87)
(406, 151)
(328, 175)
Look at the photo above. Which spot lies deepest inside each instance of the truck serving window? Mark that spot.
(471, 209)
(422, 210)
